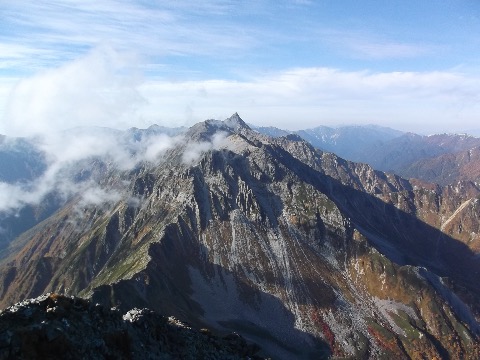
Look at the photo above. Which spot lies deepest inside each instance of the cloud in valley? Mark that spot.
(194, 150)
(78, 162)
(89, 164)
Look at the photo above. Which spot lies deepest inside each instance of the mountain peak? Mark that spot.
(205, 129)
(235, 122)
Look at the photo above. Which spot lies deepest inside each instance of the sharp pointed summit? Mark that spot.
(204, 130)
(235, 122)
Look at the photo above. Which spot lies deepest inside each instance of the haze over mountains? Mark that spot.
(295, 248)
(429, 158)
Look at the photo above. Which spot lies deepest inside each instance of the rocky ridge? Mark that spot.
(53, 326)
(298, 250)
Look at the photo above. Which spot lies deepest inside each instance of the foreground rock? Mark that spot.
(58, 327)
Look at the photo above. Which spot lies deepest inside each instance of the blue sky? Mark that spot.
(411, 65)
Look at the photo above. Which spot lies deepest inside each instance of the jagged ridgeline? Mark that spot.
(302, 252)
(55, 326)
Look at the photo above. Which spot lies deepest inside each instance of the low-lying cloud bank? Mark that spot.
(99, 89)
(194, 150)
(77, 161)
(92, 97)
(89, 162)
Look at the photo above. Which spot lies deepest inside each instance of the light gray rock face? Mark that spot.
(296, 249)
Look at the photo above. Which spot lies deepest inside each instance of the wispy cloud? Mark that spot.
(52, 32)
(88, 163)
(210, 43)
(194, 150)
(387, 49)
(363, 44)
(101, 87)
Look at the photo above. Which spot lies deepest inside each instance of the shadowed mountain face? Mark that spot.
(58, 327)
(302, 252)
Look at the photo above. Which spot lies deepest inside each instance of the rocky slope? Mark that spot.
(50, 169)
(59, 327)
(296, 249)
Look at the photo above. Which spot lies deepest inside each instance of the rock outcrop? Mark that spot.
(53, 326)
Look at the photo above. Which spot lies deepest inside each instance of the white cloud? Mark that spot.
(99, 88)
(213, 42)
(52, 32)
(194, 150)
(99, 196)
(156, 146)
(12, 197)
(69, 154)
(88, 163)
(104, 88)
(73, 153)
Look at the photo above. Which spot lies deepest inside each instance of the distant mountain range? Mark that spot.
(406, 154)
(20, 160)
(346, 141)
(447, 168)
(298, 250)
